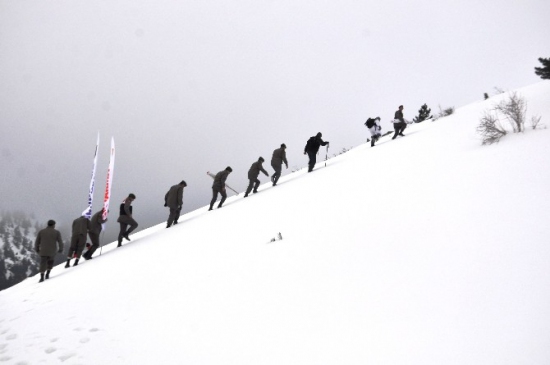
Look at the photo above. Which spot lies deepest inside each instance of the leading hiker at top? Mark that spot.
(312, 147)
(399, 123)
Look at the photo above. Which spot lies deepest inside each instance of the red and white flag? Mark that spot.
(109, 183)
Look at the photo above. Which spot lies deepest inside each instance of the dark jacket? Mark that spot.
(279, 156)
(219, 179)
(399, 116)
(126, 212)
(81, 225)
(46, 241)
(314, 143)
(255, 169)
(96, 222)
(174, 197)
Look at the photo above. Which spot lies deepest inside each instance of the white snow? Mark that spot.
(430, 249)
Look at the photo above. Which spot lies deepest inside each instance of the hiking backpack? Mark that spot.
(370, 122)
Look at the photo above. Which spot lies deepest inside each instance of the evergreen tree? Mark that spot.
(9, 254)
(544, 71)
(486, 96)
(17, 237)
(423, 114)
(3, 270)
(3, 228)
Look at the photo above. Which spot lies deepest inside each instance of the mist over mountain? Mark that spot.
(428, 249)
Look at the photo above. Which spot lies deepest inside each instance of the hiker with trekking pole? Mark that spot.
(95, 230)
(312, 148)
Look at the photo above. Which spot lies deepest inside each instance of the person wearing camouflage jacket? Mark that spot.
(47, 244)
(253, 173)
(219, 187)
(279, 156)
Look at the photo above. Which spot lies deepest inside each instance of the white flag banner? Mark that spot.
(109, 183)
(88, 211)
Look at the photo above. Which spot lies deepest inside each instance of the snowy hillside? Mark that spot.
(430, 249)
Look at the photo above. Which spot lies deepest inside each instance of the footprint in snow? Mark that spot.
(54, 339)
(84, 340)
(94, 329)
(66, 357)
(13, 336)
(49, 350)
(5, 358)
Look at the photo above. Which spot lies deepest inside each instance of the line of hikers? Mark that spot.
(48, 241)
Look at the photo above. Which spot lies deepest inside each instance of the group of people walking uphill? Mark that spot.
(48, 241)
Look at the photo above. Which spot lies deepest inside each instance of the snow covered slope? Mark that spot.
(429, 249)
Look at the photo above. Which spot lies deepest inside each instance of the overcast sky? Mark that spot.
(190, 86)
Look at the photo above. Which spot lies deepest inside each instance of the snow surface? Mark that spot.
(430, 249)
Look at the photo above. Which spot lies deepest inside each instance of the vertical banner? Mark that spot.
(88, 211)
(109, 183)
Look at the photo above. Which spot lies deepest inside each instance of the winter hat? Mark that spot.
(132, 196)
(228, 168)
(183, 183)
(261, 159)
(283, 145)
(319, 134)
(51, 223)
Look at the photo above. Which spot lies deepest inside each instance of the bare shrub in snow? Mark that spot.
(444, 112)
(490, 128)
(513, 109)
(499, 90)
(535, 122)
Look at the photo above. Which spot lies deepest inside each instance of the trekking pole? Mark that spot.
(101, 244)
(326, 156)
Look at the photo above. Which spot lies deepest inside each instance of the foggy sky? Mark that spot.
(186, 87)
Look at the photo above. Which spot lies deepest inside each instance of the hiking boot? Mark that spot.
(41, 277)
(48, 274)
(119, 244)
(255, 191)
(245, 195)
(401, 134)
(76, 262)
(68, 264)
(126, 237)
